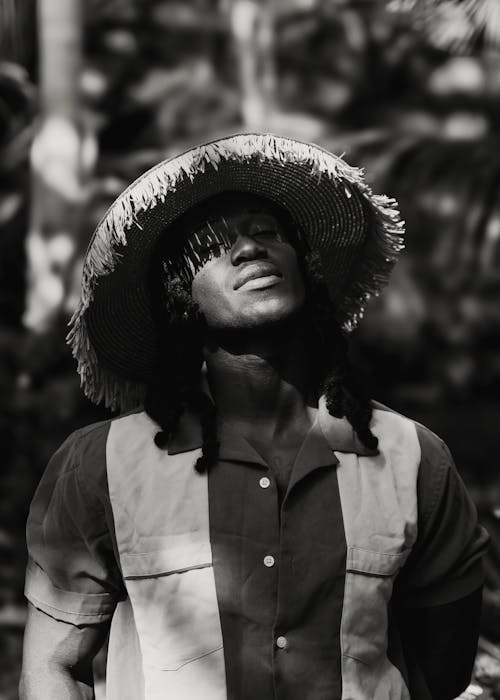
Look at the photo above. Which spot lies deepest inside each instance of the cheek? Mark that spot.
(207, 292)
(296, 278)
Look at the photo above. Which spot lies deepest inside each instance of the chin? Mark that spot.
(269, 315)
(251, 313)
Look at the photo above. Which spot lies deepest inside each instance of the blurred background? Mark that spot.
(93, 92)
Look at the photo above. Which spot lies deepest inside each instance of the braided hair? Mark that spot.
(336, 378)
(175, 386)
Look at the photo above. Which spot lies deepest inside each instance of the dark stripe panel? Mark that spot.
(299, 597)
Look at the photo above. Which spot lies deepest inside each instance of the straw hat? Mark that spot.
(357, 234)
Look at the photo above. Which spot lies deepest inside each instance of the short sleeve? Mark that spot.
(446, 561)
(72, 573)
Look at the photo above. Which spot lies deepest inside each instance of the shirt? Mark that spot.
(279, 564)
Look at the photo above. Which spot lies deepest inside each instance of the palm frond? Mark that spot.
(454, 24)
(486, 16)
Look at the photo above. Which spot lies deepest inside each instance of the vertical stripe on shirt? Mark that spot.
(160, 506)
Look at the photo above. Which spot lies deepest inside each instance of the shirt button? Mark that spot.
(281, 642)
(265, 483)
(269, 560)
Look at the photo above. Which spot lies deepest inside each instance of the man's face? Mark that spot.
(257, 282)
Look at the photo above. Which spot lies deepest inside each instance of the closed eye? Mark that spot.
(268, 234)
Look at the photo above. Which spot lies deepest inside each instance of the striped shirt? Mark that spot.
(278, 557)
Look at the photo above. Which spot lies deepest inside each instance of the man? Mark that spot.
(254, 526)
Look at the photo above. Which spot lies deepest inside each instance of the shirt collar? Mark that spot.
(338, 432)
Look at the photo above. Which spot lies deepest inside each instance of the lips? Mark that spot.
(255, 270)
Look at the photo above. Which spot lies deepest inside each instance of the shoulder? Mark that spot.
(436, 465)
(398, 439)
(83, 439)
(83, 453)
(433, 448)
(84, 450)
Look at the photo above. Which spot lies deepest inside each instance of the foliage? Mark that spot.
(455, 24)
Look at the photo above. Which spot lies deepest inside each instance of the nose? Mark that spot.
(246, 248)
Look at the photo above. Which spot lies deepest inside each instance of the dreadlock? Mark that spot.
(337, 379)
(175, 383)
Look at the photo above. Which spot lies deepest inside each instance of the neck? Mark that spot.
(260, 386)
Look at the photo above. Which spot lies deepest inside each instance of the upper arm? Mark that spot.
(73, 573)
(57, 656)
(446, 560)
(438, 592)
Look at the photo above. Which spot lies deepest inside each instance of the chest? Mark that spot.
(196, 551)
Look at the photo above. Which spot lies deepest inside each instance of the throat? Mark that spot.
(260, 394)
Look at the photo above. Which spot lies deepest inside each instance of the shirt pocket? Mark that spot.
(173, 596)
(368, 589)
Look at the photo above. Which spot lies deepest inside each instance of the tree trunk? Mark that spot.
(253, 35)
(62, 157)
